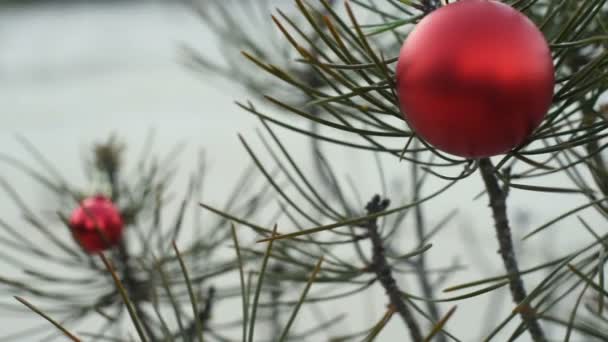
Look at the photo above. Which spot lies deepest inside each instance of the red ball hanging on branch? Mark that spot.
(475, 78)
(96, 224)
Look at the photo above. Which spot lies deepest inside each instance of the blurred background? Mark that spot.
(74, 72)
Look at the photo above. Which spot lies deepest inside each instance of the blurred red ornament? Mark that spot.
(475, 78)
(96, 224)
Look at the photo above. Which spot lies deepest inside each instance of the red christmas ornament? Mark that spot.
(475, 78)
(96, 224)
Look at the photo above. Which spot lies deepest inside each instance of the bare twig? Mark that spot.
(383, 271)
(503, 232)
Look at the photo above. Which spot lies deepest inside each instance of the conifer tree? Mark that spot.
(301, 235)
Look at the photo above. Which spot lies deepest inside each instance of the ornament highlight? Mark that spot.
(96, 224)
(475, 78)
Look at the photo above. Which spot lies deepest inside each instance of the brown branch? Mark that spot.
(498, 204)
(383, 271)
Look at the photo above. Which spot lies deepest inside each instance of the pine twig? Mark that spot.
(383, 271)
(125, 297)
(498, 204)
(134, 288)
(193, 300)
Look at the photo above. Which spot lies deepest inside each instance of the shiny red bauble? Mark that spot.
(475, 78)
(96, 224)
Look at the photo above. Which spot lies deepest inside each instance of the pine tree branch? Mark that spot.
(420, 263)
(203, 317)
(383, 271)
(108, 159)
(498, 204)
(134, 289)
